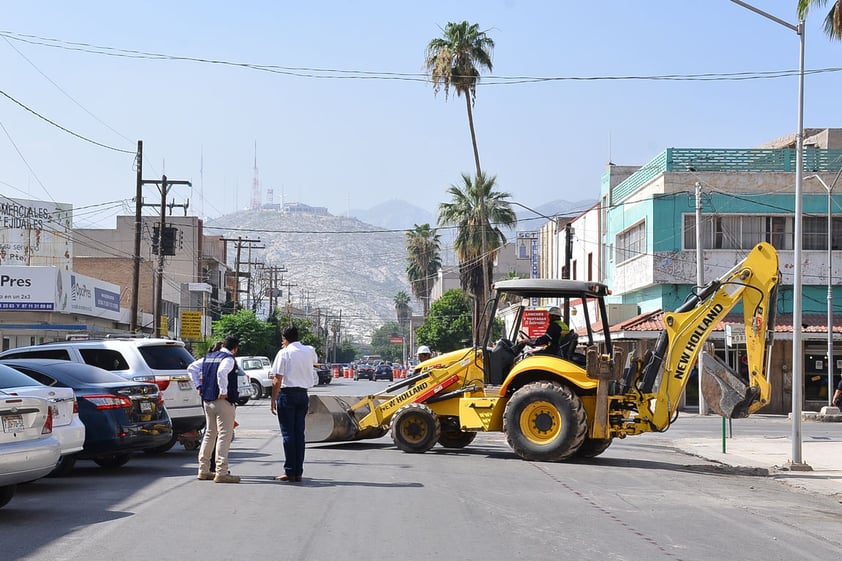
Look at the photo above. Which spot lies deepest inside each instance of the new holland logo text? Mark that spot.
(695, 339)
(413, 391)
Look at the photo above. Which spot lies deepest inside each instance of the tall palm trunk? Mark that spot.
(483, 295)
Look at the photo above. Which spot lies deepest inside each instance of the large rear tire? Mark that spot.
(456, 438)
(163, 447)
(545, 422)
(112, 462)
(63, 467)
(593, 447)
(6, 494)
(415, 428)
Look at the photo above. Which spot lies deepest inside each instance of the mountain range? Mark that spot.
(346, 267)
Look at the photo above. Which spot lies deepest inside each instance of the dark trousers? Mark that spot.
(292, 408)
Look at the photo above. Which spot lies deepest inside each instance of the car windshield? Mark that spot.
(166, 357)
(11, 378)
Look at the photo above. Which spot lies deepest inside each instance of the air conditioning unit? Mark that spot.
(621, 312)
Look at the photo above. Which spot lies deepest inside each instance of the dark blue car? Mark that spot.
(120, 416)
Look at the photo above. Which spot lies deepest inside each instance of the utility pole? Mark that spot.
(273, 284)
(138, 205)
(568, 251)
(239, 241)
(163, 186)
(700, 281)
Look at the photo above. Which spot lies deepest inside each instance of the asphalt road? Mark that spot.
(365, 500)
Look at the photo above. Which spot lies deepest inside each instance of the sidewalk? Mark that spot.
(820, 470)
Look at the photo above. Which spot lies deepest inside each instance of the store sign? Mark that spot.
(49, 289)
(191, 324)
(535, 322)
(36, 233)
(395, 340)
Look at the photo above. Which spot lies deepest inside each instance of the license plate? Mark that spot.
(145, 407)
(185, 385)
(13, 423)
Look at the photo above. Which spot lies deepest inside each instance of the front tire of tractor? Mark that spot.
(456, 438)
(415, 428)
(593, 447)
(545, 422)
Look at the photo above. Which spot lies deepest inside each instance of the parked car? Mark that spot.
(160, 361)
(67, 426)
(383, 371)
(120, 416)
(363, 370)
(323, 374)
(28, 449)
(243, 386)
(257, 368)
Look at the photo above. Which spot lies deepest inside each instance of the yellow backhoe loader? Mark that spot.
(553, 408)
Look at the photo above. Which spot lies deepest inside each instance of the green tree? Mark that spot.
(254, 334)
(381, 345)
(463, 211)
(423, 248)
(305, 332)
(454, 60)
(448, 325)
(833, 19)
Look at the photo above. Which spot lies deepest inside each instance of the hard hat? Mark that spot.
(554, 311)
(424, 350)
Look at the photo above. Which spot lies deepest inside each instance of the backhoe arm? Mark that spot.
(753, 282)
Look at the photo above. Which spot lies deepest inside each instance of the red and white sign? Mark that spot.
(535, 322)
(395, 340)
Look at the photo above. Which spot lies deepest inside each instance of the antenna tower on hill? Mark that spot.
(255, 185)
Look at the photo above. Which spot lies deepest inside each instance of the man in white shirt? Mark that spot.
(293, 374)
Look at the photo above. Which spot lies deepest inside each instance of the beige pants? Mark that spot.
(219, 431)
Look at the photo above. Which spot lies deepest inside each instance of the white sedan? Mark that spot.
(67, 426)
(28, 449)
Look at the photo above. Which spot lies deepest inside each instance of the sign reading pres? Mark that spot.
(55, 290)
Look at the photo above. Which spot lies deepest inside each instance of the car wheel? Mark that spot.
(6, 494)
(63, 467)
(111, 462)
(163, 447)
(256, 389)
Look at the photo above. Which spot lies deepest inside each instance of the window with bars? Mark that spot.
(631, 243)
(744, 231)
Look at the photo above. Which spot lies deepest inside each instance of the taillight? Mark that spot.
(75, 406)
(48, 425)
(108, 401)
(163, 382)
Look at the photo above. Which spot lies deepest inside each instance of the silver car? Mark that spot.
(257, 368)
(67, 426)
(28, 449)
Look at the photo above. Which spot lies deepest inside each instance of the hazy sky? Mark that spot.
(346, 120)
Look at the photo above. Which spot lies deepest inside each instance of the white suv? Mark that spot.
(161, 361)
(257, 368)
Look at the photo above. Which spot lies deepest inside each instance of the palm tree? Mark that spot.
(424, 261)
(833, 20)
(403, 312)
(455, 60)
(464, 212)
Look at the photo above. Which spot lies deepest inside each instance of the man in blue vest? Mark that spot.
(551, 339)
(215, 377)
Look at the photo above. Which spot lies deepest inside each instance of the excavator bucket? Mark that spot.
(725, 392)
(331, 419)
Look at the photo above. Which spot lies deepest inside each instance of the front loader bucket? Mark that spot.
(724, 391)
(330, 419)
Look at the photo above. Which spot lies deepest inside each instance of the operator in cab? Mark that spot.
(551, 340)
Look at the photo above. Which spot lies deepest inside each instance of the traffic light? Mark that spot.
(168, 242)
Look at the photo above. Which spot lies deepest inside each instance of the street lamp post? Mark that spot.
(797, 354)
(830, 363)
